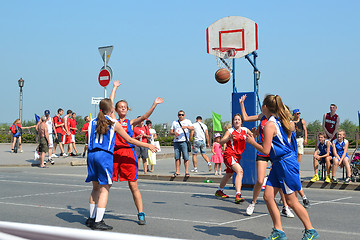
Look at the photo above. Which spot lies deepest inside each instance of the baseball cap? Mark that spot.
(47, 112)
(217, 135)
(296, 111)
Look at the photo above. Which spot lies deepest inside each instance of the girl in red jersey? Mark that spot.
(125, 166)
(235, 139)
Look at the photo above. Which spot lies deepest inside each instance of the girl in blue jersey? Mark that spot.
(280, 142)
(101, 133)
(341, 158)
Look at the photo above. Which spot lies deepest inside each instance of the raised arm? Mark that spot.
(116, 84)
(157, 101)
(243, 111)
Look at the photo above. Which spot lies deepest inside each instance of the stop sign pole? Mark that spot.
(105, 53)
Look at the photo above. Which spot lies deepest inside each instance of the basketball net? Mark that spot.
(224, 57)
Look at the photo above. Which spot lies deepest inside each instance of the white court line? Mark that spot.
(245, 219)
(327, 231)
(42, 194)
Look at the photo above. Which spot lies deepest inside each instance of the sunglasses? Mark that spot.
(298, 114)
(181, 114)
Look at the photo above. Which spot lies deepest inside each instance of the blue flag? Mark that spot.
(37, 118)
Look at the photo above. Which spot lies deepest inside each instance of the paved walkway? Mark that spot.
(165, 166)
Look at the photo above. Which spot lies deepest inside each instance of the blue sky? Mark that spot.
(308, 54)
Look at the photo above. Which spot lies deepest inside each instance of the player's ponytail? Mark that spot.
(275, 105)
(102, 125)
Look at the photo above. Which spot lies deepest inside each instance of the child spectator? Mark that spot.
(217, 157)
(341, 158)
(322, 153)
(85, 130)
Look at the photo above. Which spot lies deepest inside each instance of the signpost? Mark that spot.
(95, 101)
(105, 74)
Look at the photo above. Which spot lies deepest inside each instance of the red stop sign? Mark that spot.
(104, 77)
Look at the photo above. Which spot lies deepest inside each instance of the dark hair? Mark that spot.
(124, 101)
(198, 117)
(102, 125)
(333, 105)
(73, 113)
(60, 109)
(181, 111)
(237, 114)
(85, 118)
(148, 122)
(275, 105)
(321, 134)
(68, 111)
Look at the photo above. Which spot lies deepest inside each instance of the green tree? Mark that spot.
(314, 126)
(348, 126)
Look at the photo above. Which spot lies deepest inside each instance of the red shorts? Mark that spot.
(66, 139)
(125, 165)
(229, 160)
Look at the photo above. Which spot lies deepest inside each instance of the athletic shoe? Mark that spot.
(101, 226)
(12, 150)
(210, 167)
(250, 209)
(83, 155)
(334, 180)
(72, 154)
(89, 222)
(141, 217)
(239, 199)
(51, 161)
(194, 170)
(287, 212)
(64, 155)
(54, 155)
(306, 203)
(220, 193)
(276, 234)
(216, 173)
(21, 151)
(347, 180)
(315, 178)
(327, 179)
(310, 234)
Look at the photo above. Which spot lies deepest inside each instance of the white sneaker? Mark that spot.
(54, 155)
(194, 170)
(287, 212)
(250, 209)
(65, 155)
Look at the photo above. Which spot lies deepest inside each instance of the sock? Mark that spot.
(209, 163)
(238, 193)
(99, 214)
(304, 197)
(92, 209)
(221, 189)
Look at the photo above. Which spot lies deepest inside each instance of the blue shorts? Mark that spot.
(285, 174)
(181, 147)
(199, 146)
(100, 167)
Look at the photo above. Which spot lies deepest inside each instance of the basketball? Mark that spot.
(222, 75)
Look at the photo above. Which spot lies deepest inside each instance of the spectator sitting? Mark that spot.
(341, 158)
(322, 153)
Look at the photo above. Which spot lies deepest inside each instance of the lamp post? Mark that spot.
(21, 85)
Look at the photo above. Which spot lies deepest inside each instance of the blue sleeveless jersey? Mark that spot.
(322, 147)
(340, 147)
(281, 148)
(103, 142)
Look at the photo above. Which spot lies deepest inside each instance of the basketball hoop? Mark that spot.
(224, 57)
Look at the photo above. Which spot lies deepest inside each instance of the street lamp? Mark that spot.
(21, 85)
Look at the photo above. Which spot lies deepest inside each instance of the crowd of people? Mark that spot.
(115, 145)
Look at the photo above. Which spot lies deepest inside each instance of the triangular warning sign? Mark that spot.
(107, 50)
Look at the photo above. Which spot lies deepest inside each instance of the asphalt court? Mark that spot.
(58, 196)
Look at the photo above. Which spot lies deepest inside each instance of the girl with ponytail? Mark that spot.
(280, 142)
(101, 141)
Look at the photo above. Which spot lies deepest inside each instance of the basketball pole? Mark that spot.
(233, 75)
(105, 68)
(256, 77)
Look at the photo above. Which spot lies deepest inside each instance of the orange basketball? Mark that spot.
(222, 75)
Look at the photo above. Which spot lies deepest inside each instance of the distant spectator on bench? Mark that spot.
(322, 153)
(341, 158)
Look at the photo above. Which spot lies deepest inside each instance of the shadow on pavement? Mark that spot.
(226, 231)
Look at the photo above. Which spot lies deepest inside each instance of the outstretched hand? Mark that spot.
(242, 99)
(159, 100)
(152, 148)
(116, 83)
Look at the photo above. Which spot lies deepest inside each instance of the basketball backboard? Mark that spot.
(233, 32)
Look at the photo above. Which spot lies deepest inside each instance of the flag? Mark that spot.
(37, 118)
(90, 117)
(216, 122)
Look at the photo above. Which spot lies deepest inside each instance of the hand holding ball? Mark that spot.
(222, 75)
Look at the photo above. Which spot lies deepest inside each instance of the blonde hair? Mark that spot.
(276, 106)
(102, 125)
(343, 131)
(228, 126)
(16, 121)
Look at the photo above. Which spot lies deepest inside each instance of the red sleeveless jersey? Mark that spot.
(235, 147)
(119, 141)
(330, 122)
